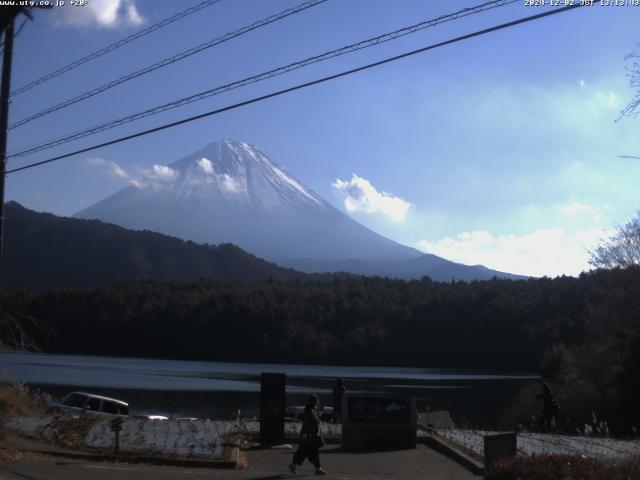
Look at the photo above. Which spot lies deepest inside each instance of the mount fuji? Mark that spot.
(231, 192)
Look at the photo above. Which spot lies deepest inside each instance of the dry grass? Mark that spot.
(562, 467)
(10, 454)
(18, 400)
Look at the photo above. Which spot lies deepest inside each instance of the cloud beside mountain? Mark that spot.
(361, 196)
(551, 251)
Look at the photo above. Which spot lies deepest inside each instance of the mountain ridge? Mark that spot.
(43, 250)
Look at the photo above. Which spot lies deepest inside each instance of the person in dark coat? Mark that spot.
(549, 407)
(337, 394)
(310, 439)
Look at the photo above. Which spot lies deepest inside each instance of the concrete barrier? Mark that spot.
(378, 422)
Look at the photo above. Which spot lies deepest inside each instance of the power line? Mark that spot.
(302, 85)
(168, 61)
(263, 76)
(21, 27)
(116, 45)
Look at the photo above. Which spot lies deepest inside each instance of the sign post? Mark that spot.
(116, 427)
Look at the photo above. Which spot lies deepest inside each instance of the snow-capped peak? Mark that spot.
(230, 191)
(242, 174)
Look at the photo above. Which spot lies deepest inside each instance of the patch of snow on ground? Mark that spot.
(38, 426)
(196, 438)
(193, 438)
(540, 443)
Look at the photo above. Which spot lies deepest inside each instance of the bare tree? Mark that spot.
(622, 249)
(633, 72)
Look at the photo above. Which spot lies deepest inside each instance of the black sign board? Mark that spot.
(378, 409)
(116, 424)
(272, 405)
(497, 446)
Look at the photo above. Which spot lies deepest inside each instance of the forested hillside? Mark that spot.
(491, 324)
(44, 250)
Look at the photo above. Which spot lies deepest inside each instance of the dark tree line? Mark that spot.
(490, 324)
(581, 333)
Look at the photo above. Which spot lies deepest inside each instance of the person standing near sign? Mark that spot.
(310, 438)
(549, 408)
(338, 392)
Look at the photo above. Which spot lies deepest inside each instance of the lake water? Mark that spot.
(219, 390)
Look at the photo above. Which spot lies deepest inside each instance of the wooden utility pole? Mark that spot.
(5, 91)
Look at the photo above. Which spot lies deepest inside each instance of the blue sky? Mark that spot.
(502, 150)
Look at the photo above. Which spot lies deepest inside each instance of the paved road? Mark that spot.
(422, 463)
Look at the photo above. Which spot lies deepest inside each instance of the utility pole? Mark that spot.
(5, 91)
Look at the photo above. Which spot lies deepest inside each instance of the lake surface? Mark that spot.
(219, 390)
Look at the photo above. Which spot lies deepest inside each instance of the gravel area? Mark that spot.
(539, 443)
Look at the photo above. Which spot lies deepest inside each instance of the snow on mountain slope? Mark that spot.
(241, 175)
(232, 192)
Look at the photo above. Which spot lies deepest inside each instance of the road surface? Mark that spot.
(421, 463)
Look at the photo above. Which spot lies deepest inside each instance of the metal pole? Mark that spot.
(4, 121)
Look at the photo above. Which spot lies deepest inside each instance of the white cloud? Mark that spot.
(113, 169)
(205, 165)
(225, 181)
(101, 13)
(361, 196)
(133, 16)
(229, 184)
(576, 208)
(158, 174)
(550, 252)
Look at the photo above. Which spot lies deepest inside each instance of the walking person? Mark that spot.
(310, 438)
(549, 408)
(337, 394)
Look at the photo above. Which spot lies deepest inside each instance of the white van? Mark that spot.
(81, 403)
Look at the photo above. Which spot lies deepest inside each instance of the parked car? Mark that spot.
(81, 403)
